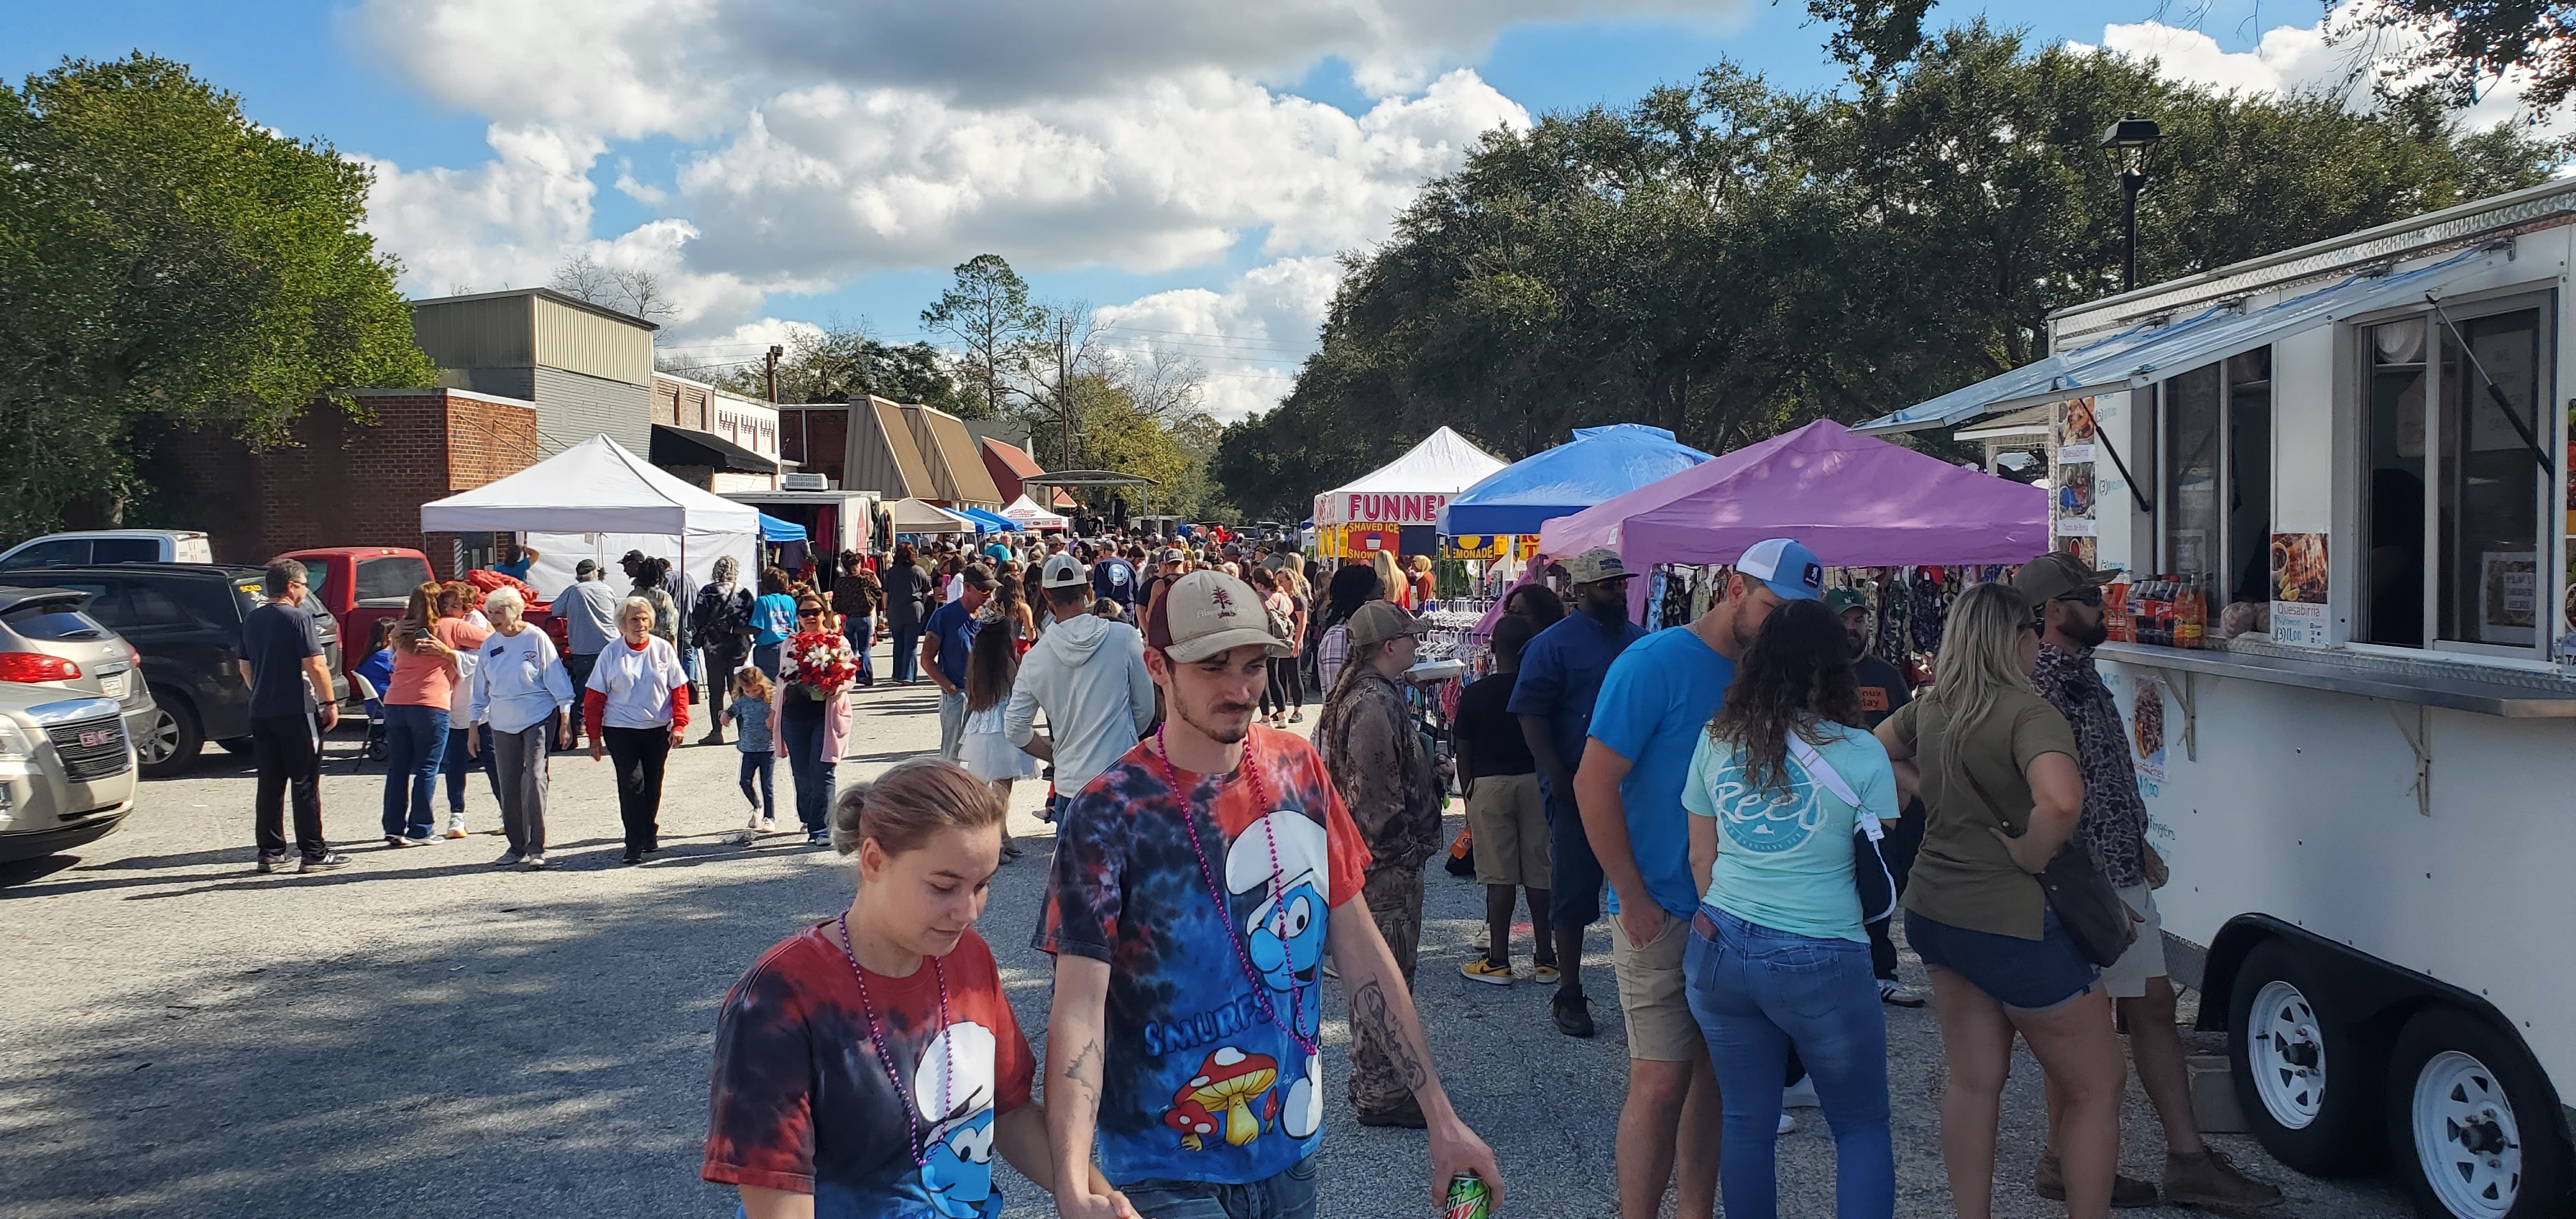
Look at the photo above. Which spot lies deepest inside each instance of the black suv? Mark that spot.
(185, 619)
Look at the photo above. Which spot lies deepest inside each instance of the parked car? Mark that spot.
(46, 640)
(360, 585)
(185, 619)
(109, 546)
(66, 770)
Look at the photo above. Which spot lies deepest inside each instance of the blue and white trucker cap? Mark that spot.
(1792, 570)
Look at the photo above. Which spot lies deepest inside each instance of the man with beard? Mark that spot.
(2068, 596)
(1197, 884)
(1560, 679)
(1656, 703)
(1882, 692)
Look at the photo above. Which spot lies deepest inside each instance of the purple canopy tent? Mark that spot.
(1855, 500)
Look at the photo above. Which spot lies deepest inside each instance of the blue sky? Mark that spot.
(833, 163)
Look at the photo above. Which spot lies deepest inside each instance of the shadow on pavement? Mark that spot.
(545, 1056)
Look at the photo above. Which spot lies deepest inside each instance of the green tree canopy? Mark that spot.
(163, 255)
(842, 363)
(987, 312)
(1729, 260)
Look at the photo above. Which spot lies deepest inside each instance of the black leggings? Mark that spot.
(1287, 688)
(639, 754)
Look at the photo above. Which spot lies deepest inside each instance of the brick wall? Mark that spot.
(342, 483)
(826, 430)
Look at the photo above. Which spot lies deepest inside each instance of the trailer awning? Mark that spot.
(2144, 355)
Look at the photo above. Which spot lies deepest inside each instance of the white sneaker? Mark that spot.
(1788, 1124)
(769, 825)
(1800, 1095)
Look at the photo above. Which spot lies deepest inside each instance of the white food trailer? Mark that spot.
(2361, 448)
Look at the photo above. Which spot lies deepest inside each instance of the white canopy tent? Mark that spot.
(596, 500)
(1029, 515)
(915, 516)
(1411, 489)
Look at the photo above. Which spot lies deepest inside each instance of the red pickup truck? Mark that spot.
(362, 584)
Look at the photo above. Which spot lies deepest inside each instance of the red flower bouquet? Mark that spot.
(821, 659)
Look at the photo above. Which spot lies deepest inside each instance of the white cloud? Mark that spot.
(1249, 338)
(2293, 58)
(506, 221)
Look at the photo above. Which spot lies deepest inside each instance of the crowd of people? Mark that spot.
(1748, 800)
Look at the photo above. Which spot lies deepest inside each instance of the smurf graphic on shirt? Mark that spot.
(958, 1172)
(1283, 855)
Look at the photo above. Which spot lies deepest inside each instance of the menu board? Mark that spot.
(2070, 505)
(2299, 590)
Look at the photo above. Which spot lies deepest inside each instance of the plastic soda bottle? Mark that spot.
(1469, 1198)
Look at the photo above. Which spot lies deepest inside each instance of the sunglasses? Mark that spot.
(2090, 596)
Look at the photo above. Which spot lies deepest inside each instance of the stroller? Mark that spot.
(373, 748)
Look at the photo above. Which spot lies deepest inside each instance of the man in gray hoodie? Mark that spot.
(1088, 674)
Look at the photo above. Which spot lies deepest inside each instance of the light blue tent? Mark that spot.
(1598, 464)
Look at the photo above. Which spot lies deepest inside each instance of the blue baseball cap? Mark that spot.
(1792, 570)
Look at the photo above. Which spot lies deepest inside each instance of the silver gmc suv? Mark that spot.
(67, 770)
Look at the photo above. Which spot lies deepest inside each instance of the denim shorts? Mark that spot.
(2032, 975)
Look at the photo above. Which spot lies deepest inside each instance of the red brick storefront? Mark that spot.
(343, 483)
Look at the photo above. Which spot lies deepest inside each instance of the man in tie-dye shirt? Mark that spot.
(1198, 883)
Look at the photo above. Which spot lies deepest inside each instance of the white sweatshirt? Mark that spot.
(1088, 675)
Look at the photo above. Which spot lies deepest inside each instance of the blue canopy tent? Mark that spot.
(988, 521)
(773, 529)
(1598, 464)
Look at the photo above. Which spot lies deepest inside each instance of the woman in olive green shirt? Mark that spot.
(1995, 767)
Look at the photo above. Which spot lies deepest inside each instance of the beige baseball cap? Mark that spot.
(1207, 612)
(1595, 565)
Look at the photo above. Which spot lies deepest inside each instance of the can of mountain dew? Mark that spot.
(1469, 1198)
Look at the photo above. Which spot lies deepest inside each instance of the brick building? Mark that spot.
(342, 483)
(711, 439)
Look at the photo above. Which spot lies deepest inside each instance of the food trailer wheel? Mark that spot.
(2307, 1081)
(2470, 1105)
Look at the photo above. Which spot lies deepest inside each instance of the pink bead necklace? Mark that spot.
(1224, 911)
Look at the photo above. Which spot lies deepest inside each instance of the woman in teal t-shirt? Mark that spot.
(773, 619)
(1777, 957)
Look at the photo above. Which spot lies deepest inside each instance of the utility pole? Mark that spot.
(775, 351)
(1063, 386)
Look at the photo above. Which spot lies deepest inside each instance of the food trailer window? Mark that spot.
(2214, 516)
(2457, 489)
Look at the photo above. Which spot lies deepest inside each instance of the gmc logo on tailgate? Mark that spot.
(97, 737)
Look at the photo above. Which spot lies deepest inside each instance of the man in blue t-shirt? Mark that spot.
(1114, 578)
(1654, 704)
(1560, 676)
(946, 639)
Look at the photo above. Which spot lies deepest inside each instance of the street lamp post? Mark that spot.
(2133, 141)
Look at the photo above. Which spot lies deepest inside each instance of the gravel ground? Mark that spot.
(422, 1035)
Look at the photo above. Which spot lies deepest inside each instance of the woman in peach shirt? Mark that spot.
(416, 703)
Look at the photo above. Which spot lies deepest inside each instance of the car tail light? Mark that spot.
(36, 666)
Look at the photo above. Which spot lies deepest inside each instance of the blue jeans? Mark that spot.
(800, 737)
(860, 630)
(415, 743)
(764, 657)
(455, 765)
(1756, 993)
(765, 765)
(907, 652)
(1288, 1195)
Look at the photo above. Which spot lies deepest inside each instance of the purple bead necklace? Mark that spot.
(916, 1136)
(1224, 911)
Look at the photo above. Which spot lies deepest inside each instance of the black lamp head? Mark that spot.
(2132, 133)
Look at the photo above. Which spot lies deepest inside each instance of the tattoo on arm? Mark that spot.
(1083, 1069)
(1373, 1019)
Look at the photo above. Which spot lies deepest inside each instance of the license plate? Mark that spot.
(112, 685)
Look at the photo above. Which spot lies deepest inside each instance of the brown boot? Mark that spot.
(2127, 1193)
(2210, 1180)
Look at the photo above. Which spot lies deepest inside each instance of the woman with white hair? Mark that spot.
(523, 694)
(637, 706)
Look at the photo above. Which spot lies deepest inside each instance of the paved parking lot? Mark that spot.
(424, 1036)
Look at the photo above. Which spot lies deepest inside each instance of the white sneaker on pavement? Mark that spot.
(1800, 1095)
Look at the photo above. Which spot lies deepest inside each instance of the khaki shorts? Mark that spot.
(1508, 821)
(1653, 997)
(2127, 977)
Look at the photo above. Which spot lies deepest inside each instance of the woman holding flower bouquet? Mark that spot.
(811, 708)
(637, 704)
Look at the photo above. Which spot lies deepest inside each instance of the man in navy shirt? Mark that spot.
(1560, 678)
(947, 637)
(1113, 577)
(283, 664)
(1654, 709)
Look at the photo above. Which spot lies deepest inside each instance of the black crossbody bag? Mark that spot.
(2087, 906)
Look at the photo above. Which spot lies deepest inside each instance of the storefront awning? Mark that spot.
(2144, 355)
